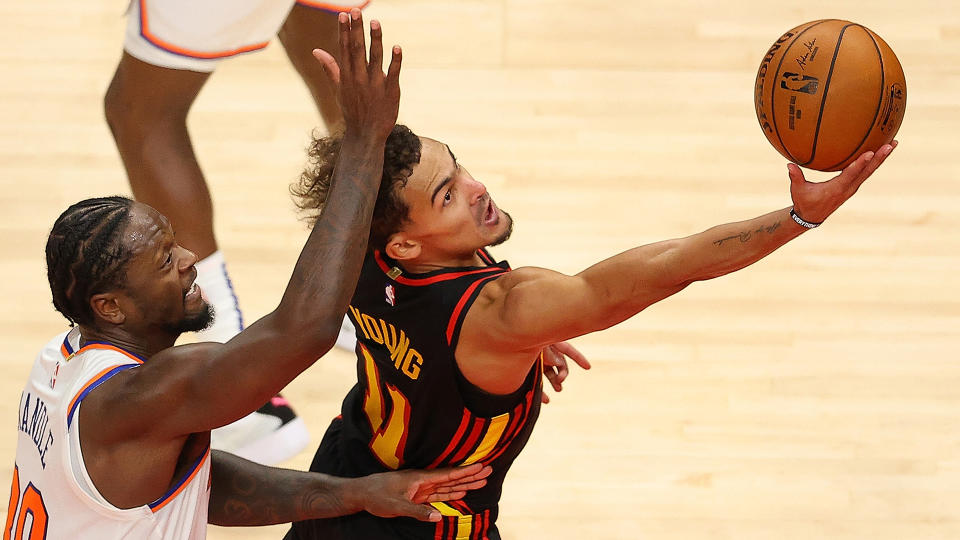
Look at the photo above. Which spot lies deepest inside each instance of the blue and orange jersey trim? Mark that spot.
(156, 41)
(178, 487)
(67, 350)
(96, 381)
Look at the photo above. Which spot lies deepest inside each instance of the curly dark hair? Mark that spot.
(400, 155)
(86, 255)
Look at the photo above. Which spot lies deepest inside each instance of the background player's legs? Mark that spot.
(306, 29)
(146, 108)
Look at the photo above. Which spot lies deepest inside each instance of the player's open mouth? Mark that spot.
(491, 216)
(192, 293)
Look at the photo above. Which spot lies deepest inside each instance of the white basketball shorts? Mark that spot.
(196, 34)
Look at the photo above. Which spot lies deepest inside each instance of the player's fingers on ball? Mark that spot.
(795, 174)
(852, 172)
(878, 158)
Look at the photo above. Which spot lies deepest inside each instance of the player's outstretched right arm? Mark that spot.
(202, 386)
(531, 307)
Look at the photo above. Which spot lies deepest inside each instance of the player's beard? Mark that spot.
(506, 234)
(195, 322)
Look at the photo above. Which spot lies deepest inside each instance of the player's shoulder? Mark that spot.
(164, 367)
(526, 274)
(190, 352)
(516, 280)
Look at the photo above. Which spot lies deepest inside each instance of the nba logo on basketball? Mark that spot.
(390, 295)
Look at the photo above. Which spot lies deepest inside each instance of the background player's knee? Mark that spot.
(142, 97)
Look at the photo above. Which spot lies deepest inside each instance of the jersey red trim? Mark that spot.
(472, 439)
(464, 422)
(419, 282)
(455, 316)
(523, 415)
(485, 256)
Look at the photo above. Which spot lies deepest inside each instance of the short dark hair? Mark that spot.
(401, 154)
(86, 254)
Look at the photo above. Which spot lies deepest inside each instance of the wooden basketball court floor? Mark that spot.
(814, 395)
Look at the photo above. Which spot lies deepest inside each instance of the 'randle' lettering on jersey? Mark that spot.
(34, 422)
(405, 358)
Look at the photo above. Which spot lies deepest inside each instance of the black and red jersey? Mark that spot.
(412, 408)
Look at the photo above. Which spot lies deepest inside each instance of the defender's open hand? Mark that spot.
(405, 493)
(369, 99)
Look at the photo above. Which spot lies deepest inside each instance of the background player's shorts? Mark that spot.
(197, 34)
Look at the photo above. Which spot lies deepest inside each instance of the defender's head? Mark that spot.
(113, 262)
(429, 210)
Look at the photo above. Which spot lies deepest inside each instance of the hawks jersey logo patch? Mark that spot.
(390, 295)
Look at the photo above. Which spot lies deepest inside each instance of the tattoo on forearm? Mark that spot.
(246, 501)
(746, 236)
(248, 494)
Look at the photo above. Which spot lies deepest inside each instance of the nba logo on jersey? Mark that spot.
(390, 295)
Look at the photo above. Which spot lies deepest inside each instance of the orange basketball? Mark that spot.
(827, 91)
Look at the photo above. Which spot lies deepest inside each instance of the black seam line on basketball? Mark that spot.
(876, 113)
(773, 87)
(826, 89)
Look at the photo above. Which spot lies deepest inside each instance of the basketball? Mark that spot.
(827, 91)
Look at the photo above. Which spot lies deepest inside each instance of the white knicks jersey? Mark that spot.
(52, 495)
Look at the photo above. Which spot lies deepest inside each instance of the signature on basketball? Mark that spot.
(808, 56)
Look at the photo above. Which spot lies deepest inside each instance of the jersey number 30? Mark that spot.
(30, 504)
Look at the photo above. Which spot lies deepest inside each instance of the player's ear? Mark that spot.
(107, 307)
(400, 247)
